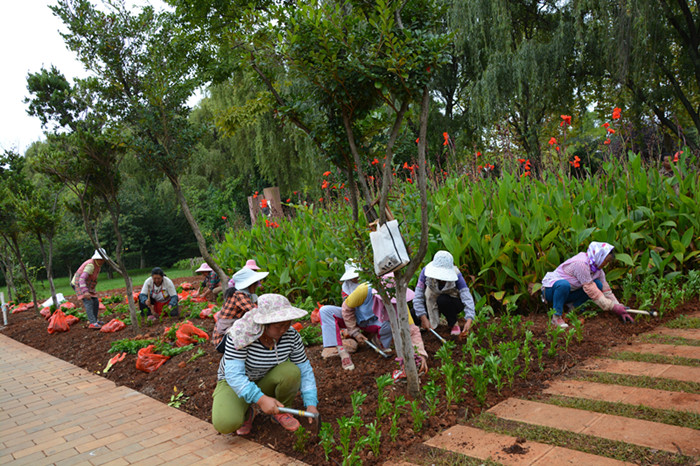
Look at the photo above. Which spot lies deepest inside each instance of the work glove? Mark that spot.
(621, 312)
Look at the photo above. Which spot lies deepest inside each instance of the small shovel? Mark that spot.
(374, 347)
(646, 313)
(298, 412)
(438, 336)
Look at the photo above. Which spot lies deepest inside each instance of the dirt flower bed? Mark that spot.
(352, 418)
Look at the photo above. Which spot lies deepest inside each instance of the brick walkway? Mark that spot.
(52, 412)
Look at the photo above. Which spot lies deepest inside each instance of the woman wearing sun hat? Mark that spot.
(579, 279)
(250, 264)
(265, 364)
(243, 300)
(211, 285)
(84, 283)
(441, 289)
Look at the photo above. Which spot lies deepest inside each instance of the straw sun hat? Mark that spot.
(274, 308)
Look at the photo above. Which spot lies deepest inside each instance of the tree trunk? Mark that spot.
(7, 265)
(201, 242)
(14, 245)
(49, 272)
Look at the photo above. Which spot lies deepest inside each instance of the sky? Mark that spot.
(29, 34)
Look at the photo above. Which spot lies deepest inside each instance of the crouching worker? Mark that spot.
(579, 279)
(441, 289)
(157, 291)
(264, 364)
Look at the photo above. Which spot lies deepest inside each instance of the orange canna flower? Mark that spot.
(611, 131)
(478, 154)
(566, 120)
(223, 217)
(296, 192)
(320, 199)
(375, 161)
(606, 125)
(263, 203)
(675, 156)
(616, 113)
(447, 139)
(326, 173)
(521, 160)
(324, 185)
(405, 166)
(342, 186)
(417, 140)
(525, 174)
(346, 199)
(607, 141)
(552, 141)
(409, 180)
(371, 178)
(289, 199)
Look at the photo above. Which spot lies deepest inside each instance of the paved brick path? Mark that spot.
(52, 412)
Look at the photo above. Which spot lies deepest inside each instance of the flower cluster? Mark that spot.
(526, 166)
(615, 116)
(576, 162)
(270, 224)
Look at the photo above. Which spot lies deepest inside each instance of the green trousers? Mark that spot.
(228, 411)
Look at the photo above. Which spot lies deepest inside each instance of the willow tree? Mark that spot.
(521, 57)
(651, 48)
(144, 67)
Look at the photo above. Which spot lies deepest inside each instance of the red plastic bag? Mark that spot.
(185, 295)
(46, 312)
(186, 286)
(68, 305)
(72, 319)
(207, 311)
(148, 361)
(297, 326)
(102, 307)
(315, 316)
(216, 316)
(21, 307)
(112, 326)
(58, 322)
(185, 332)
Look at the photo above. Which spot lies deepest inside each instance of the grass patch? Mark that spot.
(668, 340)
(62, 284)
(581, 442)
(655, 358)
(430, 456)
(683, 321)
(665, 416)
(642, 381)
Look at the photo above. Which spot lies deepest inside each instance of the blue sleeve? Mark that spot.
(240, 383)
(173, 301)
(419, 298)
(143, 298)
(466, 297)
(308, 384)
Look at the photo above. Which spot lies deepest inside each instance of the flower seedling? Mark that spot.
(480, 382)
(177, 400)
(325, 434)
(383, 404)
(418, 416)
(431, 396)
(301, 438)
(374, 437)
(492, 363)
(357, 398)
(539, 346)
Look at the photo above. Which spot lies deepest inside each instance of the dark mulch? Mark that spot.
(89, 349)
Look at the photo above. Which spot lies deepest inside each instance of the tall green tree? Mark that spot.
(145, 74)
(651, 48)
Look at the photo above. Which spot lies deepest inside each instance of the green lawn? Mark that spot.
(138, 276)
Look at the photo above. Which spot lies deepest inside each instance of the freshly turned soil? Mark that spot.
(88, 349)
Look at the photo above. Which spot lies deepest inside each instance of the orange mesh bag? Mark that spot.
(148, 361)
(72, 319)
(46, 312)
(185, 332)
(58, 322)
(112, 326)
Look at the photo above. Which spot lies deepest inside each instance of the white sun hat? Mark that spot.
(97, 255)
(442, 267)
(203, 268)
(246, 277)
(274, 308)
(351, 271)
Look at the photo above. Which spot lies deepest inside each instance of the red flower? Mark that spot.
(557, 148)
(616, 113)
(255, 196)
(567, 120)
(346, 199)
(576, 161)
(447, 139)
(611, 131)
(409, 180)
(405, 166)
(263, 203)
(607, 141)
(478, 154)
(334, 187)
(320, 199)
(267, 222)
(479, 167)
(289, 199)
(371, 178)
(342, 186)
(326, 173)
(417, 140)
(375, 161)
(675, 156)
(525, 174)
(606, 124)
(296, 192)
(552, 141)
(521, 160)
(324, 185)
(223, 217)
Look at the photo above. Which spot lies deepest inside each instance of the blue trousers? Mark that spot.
(560, 293)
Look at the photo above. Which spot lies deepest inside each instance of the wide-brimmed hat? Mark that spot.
(274, 308)
(388, 281)
(442, 267)
(97, 255)
(246, 277)
(351, 271)
(250, 263)
(203, 268)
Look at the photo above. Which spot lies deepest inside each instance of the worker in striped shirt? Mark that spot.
(264, 364)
